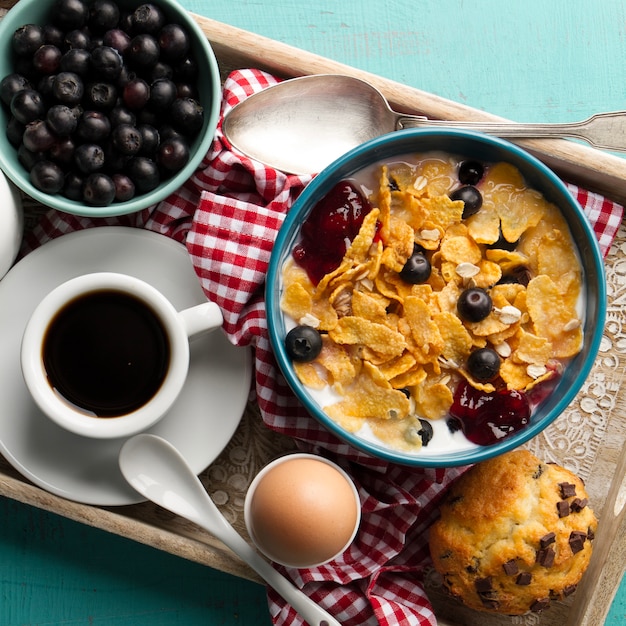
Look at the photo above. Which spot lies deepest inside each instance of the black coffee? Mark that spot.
(106, 352)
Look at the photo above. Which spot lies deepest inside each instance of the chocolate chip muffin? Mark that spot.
(514, 534)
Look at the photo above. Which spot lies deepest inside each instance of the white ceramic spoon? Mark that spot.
(156, 469)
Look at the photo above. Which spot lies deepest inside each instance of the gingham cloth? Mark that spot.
(228, 215)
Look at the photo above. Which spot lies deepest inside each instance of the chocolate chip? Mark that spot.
(510, 567)
(568, 490)
(569, 590)
(563, 508)
(538, 472)
(483, 585)
(490, 603)
(545, 557)
(540, 605)
(578, 504)
(547, 539)
(577, 541)
(524, 578)
(590, 534)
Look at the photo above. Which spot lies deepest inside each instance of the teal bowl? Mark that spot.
(37, 12)
(466, 145)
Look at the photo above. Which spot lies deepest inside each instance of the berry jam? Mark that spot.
(487, 418)
(330, 228)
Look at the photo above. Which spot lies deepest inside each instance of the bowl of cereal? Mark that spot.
(108, 106)
(436, 297)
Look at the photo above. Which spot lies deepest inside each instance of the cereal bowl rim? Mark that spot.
(465, 144)
(35, 11)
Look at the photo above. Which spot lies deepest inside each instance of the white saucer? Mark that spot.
(201, 422)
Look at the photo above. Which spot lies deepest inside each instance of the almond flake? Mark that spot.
(420, 182)
(467, 270)
(573, 324)
(503, 349)
(430, 234)
(508, 314)
(535, 371)
(310, 320)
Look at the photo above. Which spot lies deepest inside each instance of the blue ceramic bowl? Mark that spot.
(209, 86)
(468, 145)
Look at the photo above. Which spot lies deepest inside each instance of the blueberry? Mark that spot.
(503, 244)
(186, 69)
(148, 18)
(127, 139)
(124, 187)
(100, 95)
(10, 85)
(62, 151)
(121, 115)
(144, 173)
(77, 38)
(150, 139)
(173, 154)
(27, 106)
(15, 130)
(425, 432)
(470, 172)
(136, 94)
(47, 59)
(73, 186)
(417, 268)
(68, 88)
(474, 304)
(89, 157)
(174, 42)
(303, 343)
(99, 189)
(471, 198)
(516, 275)
(116, 38)
(27, 39)
(61, 120)
(187, 116)
(47, 177)
(106, 62)
(38, 137)
(70, 14)
(162, 93)
(75, 60)
(143, 51)
(93, 126)
(483, 364)
(103, 15)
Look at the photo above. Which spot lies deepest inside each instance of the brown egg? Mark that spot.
(302, 511)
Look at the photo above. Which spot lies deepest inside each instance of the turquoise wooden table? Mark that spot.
(528, 61)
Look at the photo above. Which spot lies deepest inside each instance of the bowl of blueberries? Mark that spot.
(108, 106)
(436, 297)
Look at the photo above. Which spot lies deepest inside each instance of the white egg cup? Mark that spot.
(297, 562)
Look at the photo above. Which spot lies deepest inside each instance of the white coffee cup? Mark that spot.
(106, 355)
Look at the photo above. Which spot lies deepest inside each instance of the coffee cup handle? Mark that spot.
(200, 319)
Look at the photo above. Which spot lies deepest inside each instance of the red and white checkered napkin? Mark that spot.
(228, 216)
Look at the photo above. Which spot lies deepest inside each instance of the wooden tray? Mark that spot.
(589, 438)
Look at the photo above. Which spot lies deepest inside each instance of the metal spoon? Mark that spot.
(156, 469)
(301, 125)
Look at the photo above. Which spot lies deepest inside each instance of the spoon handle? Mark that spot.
(604, 130)
(217, 525)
